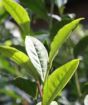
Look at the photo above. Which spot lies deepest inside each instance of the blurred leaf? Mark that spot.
(60, 38)
(86, 100)
(38, 55)
(9, 92)
(4, 64)
(84, 88)
(81, 46)
(39, 103)
(3, 13)
(36, 6)
(60, 3)
(25, 85)
(52, 103)
(57, 81)
(19, 47)
(19, 14)
(21, 59)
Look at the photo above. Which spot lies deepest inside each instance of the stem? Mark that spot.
(39, 89)
(51, 12)
(25, 102)
(78, 85)
(49, 67)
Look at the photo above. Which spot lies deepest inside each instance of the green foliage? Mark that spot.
(37, 6)
(57, 80)
(3, 13)
(60, 38)
(26, 85)
(20, 58)
(10, 93)
(81, 46)
(4, 65)
(36, 75)
(19, 14)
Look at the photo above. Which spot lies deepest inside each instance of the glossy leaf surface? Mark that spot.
(18, 13)
(60, 38)
(57, 81)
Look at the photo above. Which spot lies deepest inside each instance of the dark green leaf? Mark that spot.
(36, 6)
(81, 46)
(26, 85)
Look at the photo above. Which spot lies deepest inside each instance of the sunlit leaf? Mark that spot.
(20, 58)
(60, 38)
(18, 13)
(57, 81)
(38, 55)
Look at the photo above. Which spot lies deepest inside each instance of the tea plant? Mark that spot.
(37, 63)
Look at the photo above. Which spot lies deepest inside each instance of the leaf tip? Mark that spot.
(79, 19)
(76, 61)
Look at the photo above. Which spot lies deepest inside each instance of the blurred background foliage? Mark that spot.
(47, 17)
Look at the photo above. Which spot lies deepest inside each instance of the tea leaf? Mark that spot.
(21, 59)
(18, 13)
(37, 54)
(57, 81)
(60, 38)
